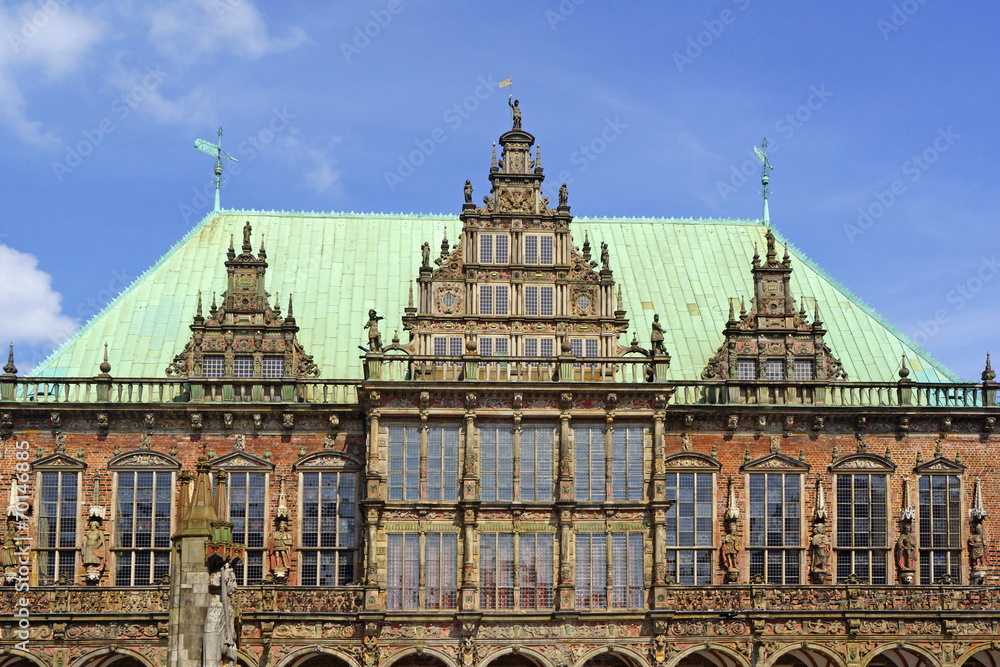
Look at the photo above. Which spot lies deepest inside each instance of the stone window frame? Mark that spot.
(240, 462)
(693, 463)
(862, 463)
(59, 463)
(777, 463)
(942, 467)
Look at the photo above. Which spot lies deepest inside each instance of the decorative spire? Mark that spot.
(231, 253)
(820, 513)
(493, 159)
(197, 309)
(816, 321)
(732, 510)
(765, 165)
(988, 374)
(756, 256)
(221, 499)
(105, 366)
(214, 308)
(907, 513)
(978, 512)
(283, 511)
(290, 315)
(262, 254)
(620, 303)
(409, 296)
(216, 151)
(732, 315)
(586, 246)
(538, 159)
(10, 369)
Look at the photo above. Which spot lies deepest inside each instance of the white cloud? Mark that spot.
(186, 30)
(51, 38)
(319, 167)
(30, 310)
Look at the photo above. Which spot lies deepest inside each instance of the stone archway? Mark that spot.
(518, 659)
(709, 657)
(15, 660)
(116, 659)
(805, 657)
(319, 660)
(901, 656)
(416, 658)
(983, 657)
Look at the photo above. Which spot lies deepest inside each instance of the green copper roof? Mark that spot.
(338, 265)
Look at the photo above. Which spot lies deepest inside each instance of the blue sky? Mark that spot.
(881, 116)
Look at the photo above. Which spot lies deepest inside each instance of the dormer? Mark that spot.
(245, 337)
(774, 339)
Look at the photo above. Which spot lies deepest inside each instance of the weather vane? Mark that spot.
(765, 164)
(215, 150)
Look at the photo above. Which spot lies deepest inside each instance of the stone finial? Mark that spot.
(290, 315)
(988, 374)
(904, 372)
(493, 158)
(10, 369)
(105, 366)
(231, 253)
(213, 308)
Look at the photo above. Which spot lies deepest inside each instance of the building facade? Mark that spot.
(522, 483)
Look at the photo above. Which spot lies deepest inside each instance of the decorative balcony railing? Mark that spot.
(200, 390)
(474, 369)
(91, 599)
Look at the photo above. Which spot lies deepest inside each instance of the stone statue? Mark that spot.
(374, 337)
(425, 254)
(656, 336)
(515, 111)
(94, 549)
(605, 258)
(8, 555)
(468, 192)
(820, 550)
(246, 233)
(906, 548)
(730, 550)
(977, 548)
(563, 195)
(219, 643)
(279, 549)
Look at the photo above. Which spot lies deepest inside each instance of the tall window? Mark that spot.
(440, 457)
(494, 249)
(246, 511)
(940, 509)
(329, 528)
(774, 369)
(862, 528)
(776, 527)
(494, 299)
(538, 249)
(530, 480)
(515, 570)
(440, 571)
(592, 575)
(57, 526)
(689, 528)
(142, 526)
(597, 463)
(538, 299)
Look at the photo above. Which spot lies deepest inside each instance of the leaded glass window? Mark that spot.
(940, 516)
(243, 366)
(523, 474)
(619, 462)
(746, 369)
(247, 513)
(538, 249)
(496, 570)
(57, 526)
(437, 565)
(441, 463)
(689, 522)
(497, 461)
(142, 526)
(593, 575)
(274, 366)
(804, 369)
(493, 299)
(774, 369)
(538, 347)
(775, 536)
(329, 527)
(862, 528)
(494, 249)
(213, 365)
(538, 300)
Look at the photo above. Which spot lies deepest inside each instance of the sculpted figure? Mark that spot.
(468, 192)
(605, 258)
(977, 547)
(820, 549)
(563, 195)
(656, 336)
(730, 551)
(374, 337)
(8, 556)
(516, 112)
(280, 547)
(94, 549)
(906, 548)
(425, 254)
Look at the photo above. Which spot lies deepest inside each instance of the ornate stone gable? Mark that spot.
(242, 461)
(863, 463)
(940, 465)
(245, 337)
(775, 461)
(515, 284)
(774, 339)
